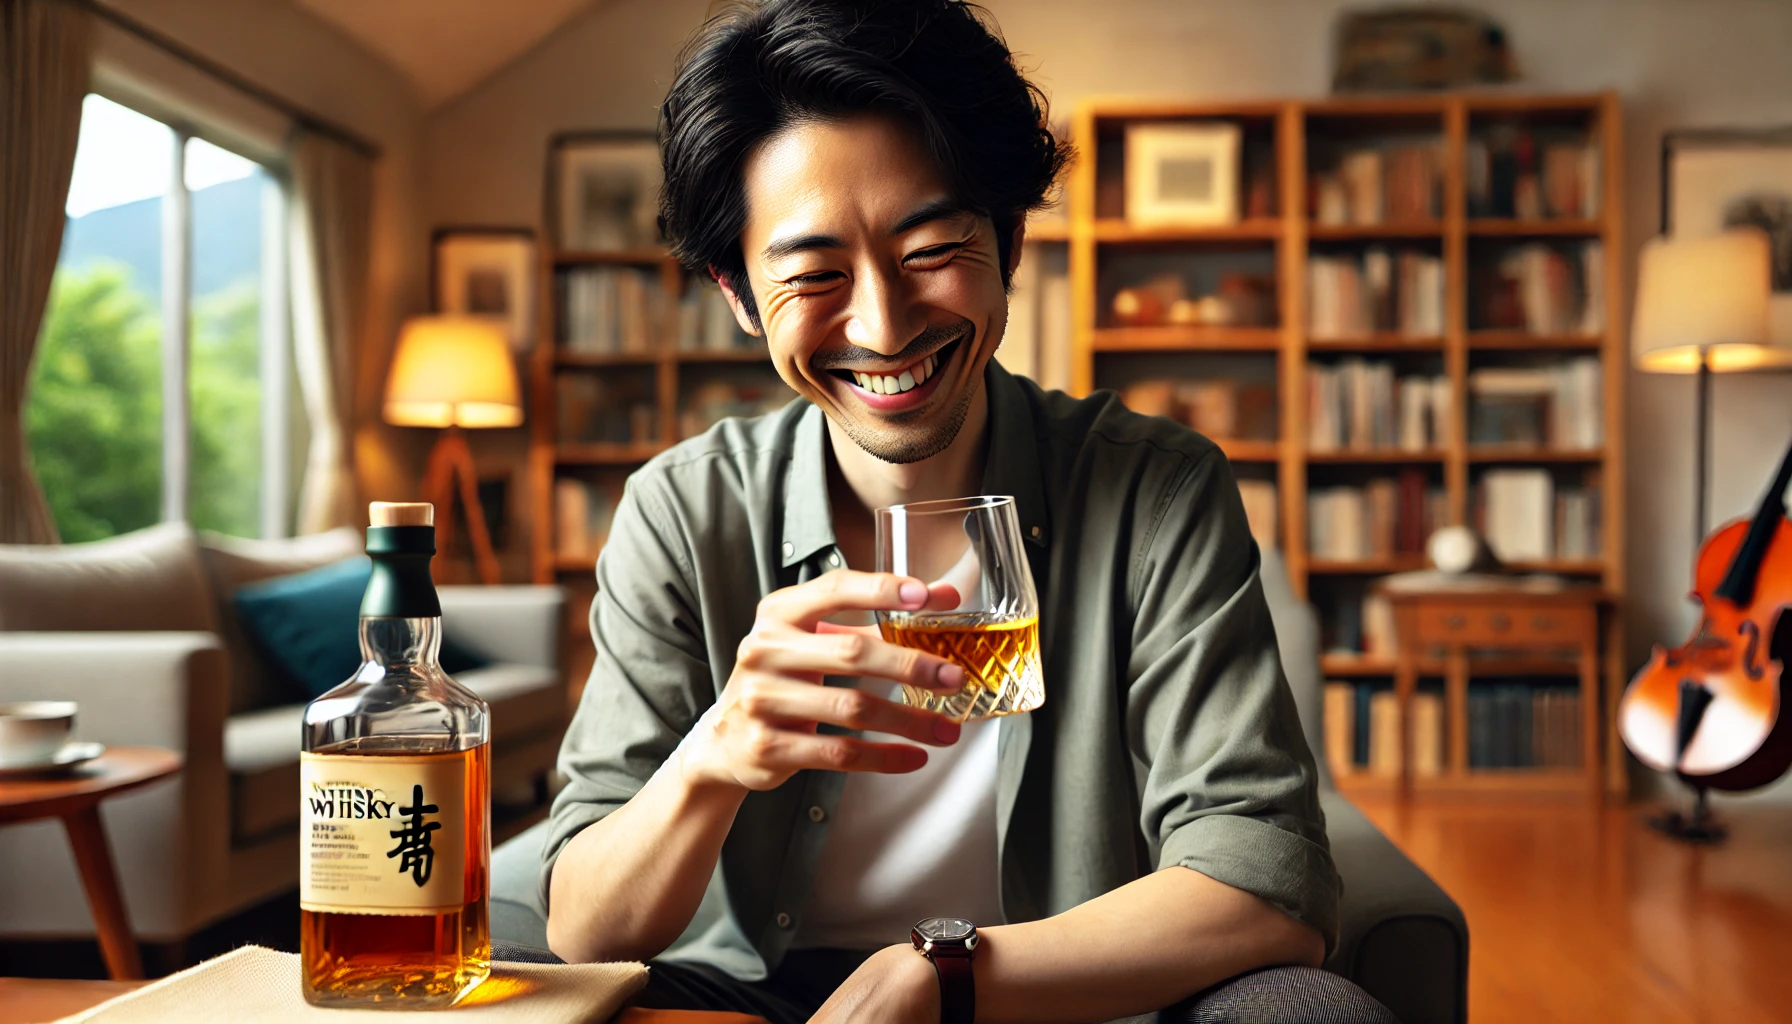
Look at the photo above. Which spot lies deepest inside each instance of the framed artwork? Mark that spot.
(1713, 179)
(605, 190)
(486, 272)
(1180, 175)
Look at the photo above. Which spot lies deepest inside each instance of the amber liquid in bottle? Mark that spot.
(409, 959)
(395, 797)
(1000, 659)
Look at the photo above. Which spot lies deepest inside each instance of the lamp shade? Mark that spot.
(452, 371)
(1705, 299)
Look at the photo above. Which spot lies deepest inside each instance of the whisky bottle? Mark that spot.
(395, 781)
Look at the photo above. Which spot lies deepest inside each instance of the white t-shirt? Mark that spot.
(905, 847)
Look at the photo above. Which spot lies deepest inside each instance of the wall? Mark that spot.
(310, 64)
(1676, 64)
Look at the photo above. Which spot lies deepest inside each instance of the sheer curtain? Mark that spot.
(44, 47)
(331, 209)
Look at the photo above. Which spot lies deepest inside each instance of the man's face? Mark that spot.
(881, 299)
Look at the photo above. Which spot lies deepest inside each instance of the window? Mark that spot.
(160, 389)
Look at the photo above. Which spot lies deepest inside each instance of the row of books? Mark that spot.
(1388, 516)
(612, 408)
(1507, 172)
(1219, 407)
(1359, 624)
(1510, 725)
(706, 322)
(582, 512)
(1261, 510)
(713, 401)
(609, 310)
(1524, 516)
(1359, 405)
(1543, 289)
(1379, 185)
(1350, 296)
(1560, 406)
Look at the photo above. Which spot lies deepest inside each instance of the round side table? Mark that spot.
(75, 798)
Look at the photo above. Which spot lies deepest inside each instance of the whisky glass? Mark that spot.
(974, 544)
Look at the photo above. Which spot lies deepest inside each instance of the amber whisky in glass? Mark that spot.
(395, 801)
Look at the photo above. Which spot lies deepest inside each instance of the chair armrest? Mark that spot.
(148, 689)
(517, 625)
(1400, 936)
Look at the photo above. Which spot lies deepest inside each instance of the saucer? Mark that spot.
(71, 755)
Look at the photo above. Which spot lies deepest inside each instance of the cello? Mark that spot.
(1710, 710)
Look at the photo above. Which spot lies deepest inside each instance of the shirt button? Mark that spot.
(783, 920)
(789, 549)
(816, 814)
(1035, 532)
(834, 560)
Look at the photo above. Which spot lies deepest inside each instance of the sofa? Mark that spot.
(1401, 937)
(142, 632)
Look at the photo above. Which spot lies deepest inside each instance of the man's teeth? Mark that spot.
(913, 377)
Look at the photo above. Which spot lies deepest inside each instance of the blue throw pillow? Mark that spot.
(309, 624)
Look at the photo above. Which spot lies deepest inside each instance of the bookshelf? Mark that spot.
(1471, 339)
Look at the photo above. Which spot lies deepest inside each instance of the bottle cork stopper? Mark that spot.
(401, 513)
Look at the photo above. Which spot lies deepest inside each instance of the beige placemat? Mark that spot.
(256, 985)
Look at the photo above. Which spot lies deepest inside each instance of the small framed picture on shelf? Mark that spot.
(605, 188)
(486, 272)
(1713, 180)
(1182, 174)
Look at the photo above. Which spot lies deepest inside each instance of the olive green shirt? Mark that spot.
(1168, 735)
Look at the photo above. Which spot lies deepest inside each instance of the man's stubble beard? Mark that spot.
(928, 438)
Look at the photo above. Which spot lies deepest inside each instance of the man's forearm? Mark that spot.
(625, 887)
(1137, 949)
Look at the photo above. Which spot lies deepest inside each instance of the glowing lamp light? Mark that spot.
(452, 371)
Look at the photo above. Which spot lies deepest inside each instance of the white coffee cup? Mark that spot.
(32, 731)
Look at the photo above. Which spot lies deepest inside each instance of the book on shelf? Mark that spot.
(608, 409)
(714, 400)
(1559, 407)
(1351, 296)
(1384, 734)
(1524, 516)
(1507, 174)
(1340, 729)
(706, 322)
(582, 513)
(1216, 407)
(1362, 731)
(609, 310)
(1521, 725)
(1397, 182)
(1359, 626)
(1543, 288)
(1388, 516)
(1260, 510)
(1359, 405)
(1427, 711)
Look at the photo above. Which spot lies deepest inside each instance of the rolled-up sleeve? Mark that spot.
(1230, 787)
(651, 679)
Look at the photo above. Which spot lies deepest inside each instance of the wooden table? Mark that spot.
(1563, 624)
(75, 798)
(38, 1000)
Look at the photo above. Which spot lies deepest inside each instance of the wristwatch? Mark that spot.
(950, 942)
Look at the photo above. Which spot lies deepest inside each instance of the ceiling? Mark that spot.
(446, 46)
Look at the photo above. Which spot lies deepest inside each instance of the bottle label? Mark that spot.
(383, 834)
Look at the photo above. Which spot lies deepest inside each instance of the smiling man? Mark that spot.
(747, 805)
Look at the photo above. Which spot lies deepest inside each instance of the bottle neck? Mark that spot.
(391, 641)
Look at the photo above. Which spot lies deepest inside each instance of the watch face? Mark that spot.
(946, 929)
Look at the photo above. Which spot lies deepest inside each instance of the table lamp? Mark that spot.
(454, 373)
(1701, 307)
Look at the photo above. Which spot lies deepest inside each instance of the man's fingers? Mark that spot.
(806, 604)
(774, 700)
(795, 751)
(859, 651)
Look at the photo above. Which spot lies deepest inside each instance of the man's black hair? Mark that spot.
(755, 69)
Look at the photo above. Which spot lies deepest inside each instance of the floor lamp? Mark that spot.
(1702, 308)
(455, 374)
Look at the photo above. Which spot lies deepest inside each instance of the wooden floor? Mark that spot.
(1578, 913)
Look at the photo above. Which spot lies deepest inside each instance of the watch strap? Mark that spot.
(958, 992)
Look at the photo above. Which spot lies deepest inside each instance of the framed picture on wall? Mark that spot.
(486, 272)
(1180, 175)
(605, 190)
(1714, 179)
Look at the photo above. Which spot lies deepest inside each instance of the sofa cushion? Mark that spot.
(261, 748)
(234, 562)
(146, 581)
